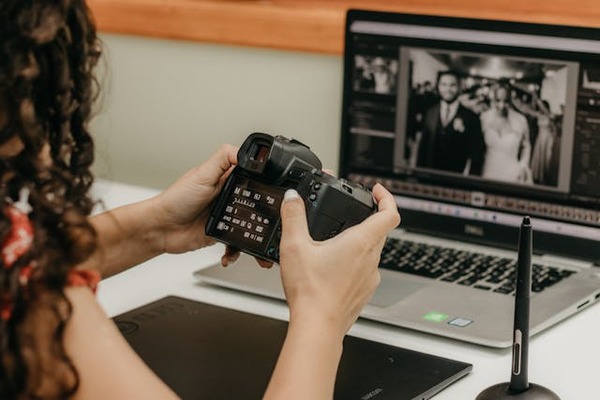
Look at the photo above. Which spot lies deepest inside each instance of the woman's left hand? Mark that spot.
(183, 209)
(172, 222)
(525, 175)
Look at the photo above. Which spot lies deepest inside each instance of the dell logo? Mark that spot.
(372, 394)
(473, 230)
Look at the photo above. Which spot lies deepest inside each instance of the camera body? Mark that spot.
(246, 214)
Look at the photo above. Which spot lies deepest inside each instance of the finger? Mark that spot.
(264, 263)
(387, 215)
(231, 255)
(217, 165)
(293, 216)
(329, 171)
(383, 197)
(378, 225)
(225, 176)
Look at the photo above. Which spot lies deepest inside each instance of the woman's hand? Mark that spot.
(525, 175)
(173, 221)
(329, 282)
(182, 210)
(326, 285)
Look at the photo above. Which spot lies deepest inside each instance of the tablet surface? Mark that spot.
(204, 351)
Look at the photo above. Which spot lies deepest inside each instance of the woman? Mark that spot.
(506, 135)
(544, 160)
(55, 340)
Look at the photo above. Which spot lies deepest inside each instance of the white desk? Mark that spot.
(565, 358)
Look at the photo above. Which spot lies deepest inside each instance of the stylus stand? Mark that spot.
(501, 392)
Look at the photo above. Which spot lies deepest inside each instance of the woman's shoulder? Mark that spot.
(487, 116)
(518, 118)
(84, 277)
(19, 240)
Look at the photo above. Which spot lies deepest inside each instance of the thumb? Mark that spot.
(293, 216)
(219, 164)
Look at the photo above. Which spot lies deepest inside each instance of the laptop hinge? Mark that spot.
(567, 262)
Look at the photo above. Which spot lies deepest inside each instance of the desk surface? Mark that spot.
(563, 358)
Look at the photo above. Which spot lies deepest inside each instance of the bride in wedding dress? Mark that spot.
(506, 135)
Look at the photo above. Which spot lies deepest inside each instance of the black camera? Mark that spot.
(246, 212)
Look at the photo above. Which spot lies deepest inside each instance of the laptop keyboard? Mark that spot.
(477, 270)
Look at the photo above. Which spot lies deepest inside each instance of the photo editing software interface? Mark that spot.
(477, 124)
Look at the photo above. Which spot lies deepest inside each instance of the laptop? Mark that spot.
(472, 125)
(203, 351)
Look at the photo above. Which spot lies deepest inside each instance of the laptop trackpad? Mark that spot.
(392, 289)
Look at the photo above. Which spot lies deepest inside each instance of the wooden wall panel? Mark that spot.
(309, 25)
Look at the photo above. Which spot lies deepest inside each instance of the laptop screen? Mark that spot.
(473, 124)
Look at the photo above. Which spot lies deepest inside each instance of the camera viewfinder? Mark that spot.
(261, 153)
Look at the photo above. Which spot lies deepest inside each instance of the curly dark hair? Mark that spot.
(48, 49)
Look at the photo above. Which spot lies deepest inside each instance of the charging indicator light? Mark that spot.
(435, 316)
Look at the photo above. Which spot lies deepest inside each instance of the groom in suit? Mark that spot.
(451, 138)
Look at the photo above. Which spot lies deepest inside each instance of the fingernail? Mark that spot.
(290, 194)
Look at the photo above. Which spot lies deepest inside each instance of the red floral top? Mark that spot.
(16, 243)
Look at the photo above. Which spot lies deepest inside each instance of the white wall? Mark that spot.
(167, 105)
(425, 67)
(554, 89)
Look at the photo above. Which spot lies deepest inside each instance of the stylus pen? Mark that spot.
(518, 380)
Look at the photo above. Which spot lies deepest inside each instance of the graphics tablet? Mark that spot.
(204, 351)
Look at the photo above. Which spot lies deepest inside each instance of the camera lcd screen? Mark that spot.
(250, 215)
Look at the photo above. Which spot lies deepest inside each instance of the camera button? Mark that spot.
(312, 196)
(317, 186)
(296, 174)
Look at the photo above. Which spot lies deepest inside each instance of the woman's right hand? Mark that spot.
(329, 282)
